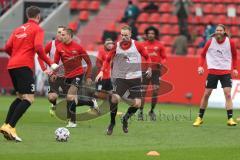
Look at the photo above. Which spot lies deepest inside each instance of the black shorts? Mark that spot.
(76, 81)
(104, 85)
(54, 87)
(22, 79)
(133, 86)
(154, 79)
(212, 81)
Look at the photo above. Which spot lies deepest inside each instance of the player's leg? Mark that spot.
(26, 88)
(119, 88)
(71, 106)
(72, 98)
(134, 87)
(52, 98)
(53, 94)
(226, 81)
(114, 99)
(145, 83)
(155, 80)
(211, 83)
(85, 97)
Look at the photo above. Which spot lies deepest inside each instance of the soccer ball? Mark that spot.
(62, 134)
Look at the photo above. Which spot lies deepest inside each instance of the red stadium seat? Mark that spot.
(219, 8)
(208, 19)
(222, 19)
(167, 40)
(164, 18)
(142, 27)
(208, 8)
(83, 5)
(173, 19)
(143, 17)
(142, 5)
(83, 16)
(165, 7)
(234, 31)
(166, 29)
(154, 18)
(94, 5)
(74, 5)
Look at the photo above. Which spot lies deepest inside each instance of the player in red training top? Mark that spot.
(53, 90)
(126, 60)
(22, 45)
(104, 85)
(156, 52)
(71, 54)
(221, 56)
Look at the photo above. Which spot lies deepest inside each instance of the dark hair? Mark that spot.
(152, 28)
(126, 27)
(69, 31)
(61, 26)
(108, 39)
(130, 2)
(32, 11)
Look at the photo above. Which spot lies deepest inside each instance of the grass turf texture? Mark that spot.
(172, 135)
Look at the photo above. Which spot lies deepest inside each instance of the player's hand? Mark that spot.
(200, 70)
(89, 81)
(48, 72)
(149, 72)
(53, 78)
(235, 73)
(99, 76)
(54, 66)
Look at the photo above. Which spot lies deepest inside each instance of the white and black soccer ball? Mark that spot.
(62, 134)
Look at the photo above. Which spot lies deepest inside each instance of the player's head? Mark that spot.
(66, 35)
(126, 33)
(59, 32)
(108, 44)
(220, 32)
(33, 12)
(151, 33)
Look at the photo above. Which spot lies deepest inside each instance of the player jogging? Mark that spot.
(53, 91)
(71, 54)
(156, 52)
(221, 56)
(127, 74)
(22, 45)
(104, 85)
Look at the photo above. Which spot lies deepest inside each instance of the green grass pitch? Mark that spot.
(172, 135)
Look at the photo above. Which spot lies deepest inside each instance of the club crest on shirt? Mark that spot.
(74, 52)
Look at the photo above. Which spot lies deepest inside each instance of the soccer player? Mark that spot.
(156, 52)
(104, 85)
(22, 45)
(221, 56)
(53, 91)
(127, 73)
(71, 54)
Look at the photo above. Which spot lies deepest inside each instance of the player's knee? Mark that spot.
(28, 97)
(137, 103)
(228, 96)
(207, 94)
(19, 95)
(52, 97)
(70, 97)
(115, 98)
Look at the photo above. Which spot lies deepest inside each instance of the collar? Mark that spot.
(32, 21)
